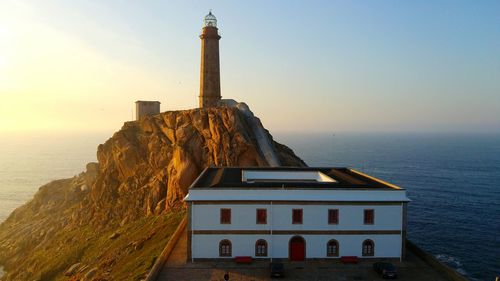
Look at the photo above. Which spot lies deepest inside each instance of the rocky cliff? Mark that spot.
(111, 221)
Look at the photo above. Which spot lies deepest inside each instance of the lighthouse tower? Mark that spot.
(210, 69)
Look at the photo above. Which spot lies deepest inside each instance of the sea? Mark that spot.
(453, 181)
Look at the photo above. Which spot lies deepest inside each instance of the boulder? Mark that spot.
(72, 269)
(90, 274)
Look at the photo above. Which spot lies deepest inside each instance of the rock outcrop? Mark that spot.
(137, 186)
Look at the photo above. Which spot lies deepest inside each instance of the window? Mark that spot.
(332, 248)
(261, 248)
(368, 248)
(297, 216)
(225, 248)
(369, 216)
(261, 216)
(225, 216)
(333, 216)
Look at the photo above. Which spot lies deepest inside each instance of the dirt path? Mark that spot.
(179, 253)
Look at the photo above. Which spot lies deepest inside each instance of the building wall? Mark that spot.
(206, 222)
(207, 246)
(145, 108)
(279, 217)
(296, 194)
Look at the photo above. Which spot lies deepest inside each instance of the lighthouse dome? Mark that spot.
(210, 20)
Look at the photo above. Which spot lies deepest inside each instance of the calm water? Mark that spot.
(453, 180)
(29, 161)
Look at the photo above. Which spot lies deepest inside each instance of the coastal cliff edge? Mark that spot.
(111, 221)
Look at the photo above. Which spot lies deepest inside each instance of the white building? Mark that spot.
(294, 213)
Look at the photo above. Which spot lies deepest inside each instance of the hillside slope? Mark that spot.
(111, 221)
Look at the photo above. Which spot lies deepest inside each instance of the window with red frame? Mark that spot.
(261, 248)
(225, 216)
(369, 216)
(225, 248)
(333, 216)
(332, 248)
(297, 216)
(368, 248)
(261, 216)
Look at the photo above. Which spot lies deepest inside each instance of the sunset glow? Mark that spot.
(81, 67)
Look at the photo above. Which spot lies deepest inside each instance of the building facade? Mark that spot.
(210, 67)
(295, 214)
(145, 108)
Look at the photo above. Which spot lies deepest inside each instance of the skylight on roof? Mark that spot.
(284, 176)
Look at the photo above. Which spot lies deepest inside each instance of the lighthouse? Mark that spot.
(210, 68)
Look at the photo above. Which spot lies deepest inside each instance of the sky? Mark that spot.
(301, 66)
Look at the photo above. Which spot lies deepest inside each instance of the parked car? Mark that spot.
(386, 269)
(277, 269)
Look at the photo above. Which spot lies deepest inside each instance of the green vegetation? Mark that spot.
(119, 253)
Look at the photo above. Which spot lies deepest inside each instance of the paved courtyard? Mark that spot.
(176, 269)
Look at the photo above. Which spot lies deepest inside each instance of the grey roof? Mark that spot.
(344, 178)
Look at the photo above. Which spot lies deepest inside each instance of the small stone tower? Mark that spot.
(210, 69)
(145, 108)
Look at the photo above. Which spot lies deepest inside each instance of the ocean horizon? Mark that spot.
(452, 180)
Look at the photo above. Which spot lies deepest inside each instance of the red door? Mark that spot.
(297, 249)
